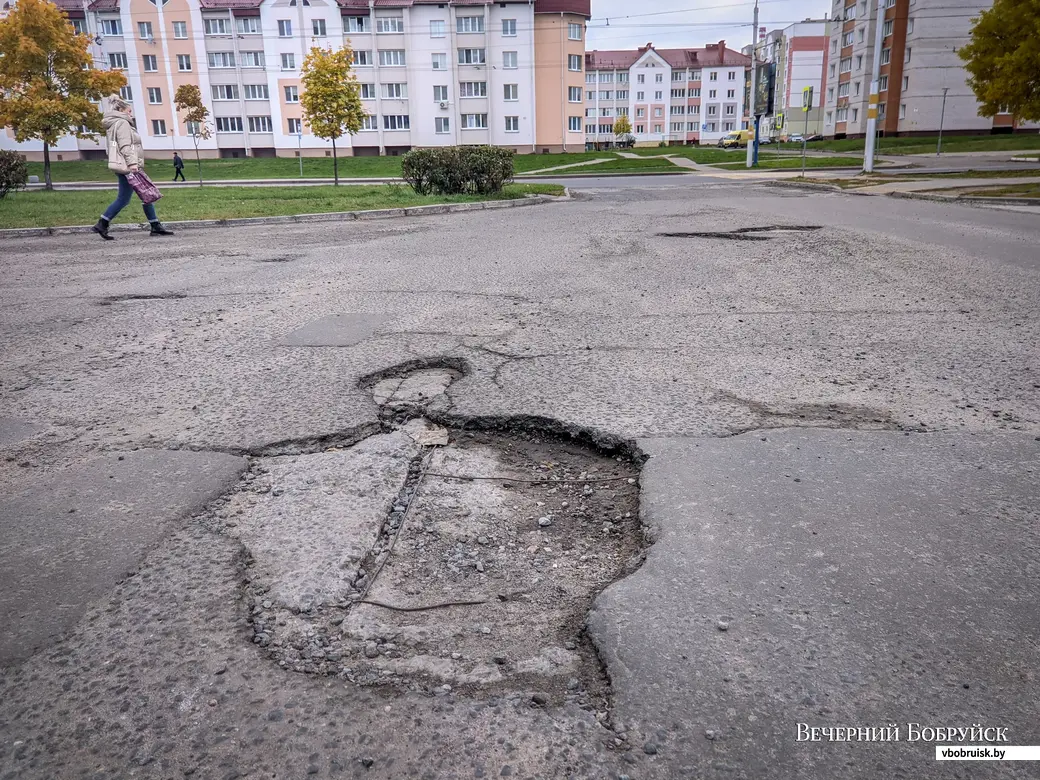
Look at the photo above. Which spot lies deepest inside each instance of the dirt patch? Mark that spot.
(481, 578)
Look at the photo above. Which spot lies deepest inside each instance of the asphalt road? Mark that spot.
(840, 412)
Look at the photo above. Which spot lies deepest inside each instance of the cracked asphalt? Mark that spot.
(843, 435)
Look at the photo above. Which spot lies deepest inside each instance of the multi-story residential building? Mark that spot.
(675, 96)
(799, 54)
(431, 72)
(919, 63)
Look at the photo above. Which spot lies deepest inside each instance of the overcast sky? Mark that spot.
(693, 23)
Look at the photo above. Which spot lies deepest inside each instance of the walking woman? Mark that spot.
(125, 155)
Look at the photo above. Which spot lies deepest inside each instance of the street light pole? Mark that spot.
(875, 78)
(942, 115)
(299, 144)
(751, 108)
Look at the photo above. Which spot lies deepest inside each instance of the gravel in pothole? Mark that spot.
(533, 552)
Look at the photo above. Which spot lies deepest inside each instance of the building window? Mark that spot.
(368, 91)
(79, 26)
(252, 59)
(712, 93)
(881, 110)
(292, 94)
(472, 56)
(590, 112)
(855, 88)
(442, 125)
(906, 83)
(731, 110)
(591, 78)
(677, 110)
(883, 84)
(158, 127)
(886, 56)
(640, 95)
(713, 76)
(732, 75)
(886, 28)
(640, 129)
(695, 92)
(846, 39)
(907, 57)
(111, 27)
(1003, 109)
(843, 90)
(695, 75)
(440, 93)
(832, 70)
(834, 46)
(909, 26)
(658, 128)
(469, 24)
(117, 60)
(640, 112)
(184, 63)
(606, 112)
(229, 124)
(902, 110)
(845, 66)
(357, 24)
(622, 94)
(362, 58)
(260, 124)
(395, 91)
(256, 92)
(396, 122)
(678, 75)
(144, 31)
(285, 28)
(731, 93)
(126, 93)
(829, 117)
(151, 63)
(390, 24)
(605, 94)
(713, 110)
(511, 92)
(658, 77)
(855, 115)
(288, 61)
(509, 28)
(861, 33)
(830, 94)
(574, 32)
(657, 95)
(574, 124)
(474, 121)
(509, 61)
(154, 95)
(295, 126)
(606, 78)
(640, 78)
(225, 91)
(440, 61)
(472, 89)
(221, 59)
(658, 112)
(694, 110)
(678, 93)
(842, 114)
(249, 25)
(512, 124)
(622, 111)
(574, 62)
(573, 94)
(193, 128)
(180, 30)
(216, 26)
(393, 58)
(437, 29)
(369, 122)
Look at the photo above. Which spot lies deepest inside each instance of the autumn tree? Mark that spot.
(331, 96)
(188, 99)
(1003, 59)
(48, 84)
(622, 129)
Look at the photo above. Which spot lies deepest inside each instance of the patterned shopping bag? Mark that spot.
(144, 187)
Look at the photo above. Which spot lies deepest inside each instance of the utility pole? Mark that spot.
(875, 77)
(942, 115)
(751, 98)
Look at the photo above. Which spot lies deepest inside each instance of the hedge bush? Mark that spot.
(14, 174)
(458, 170)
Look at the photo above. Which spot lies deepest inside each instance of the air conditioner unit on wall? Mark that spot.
(444, 104)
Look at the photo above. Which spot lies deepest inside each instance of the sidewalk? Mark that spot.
(924, 185)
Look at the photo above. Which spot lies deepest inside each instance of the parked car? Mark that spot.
(815, 137)
(735, 138)
(797, 138)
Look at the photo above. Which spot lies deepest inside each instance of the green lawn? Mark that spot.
(699, 154)
(523, 163)
(58, 208)
(951, 143)
(796, 162)
(626, 165)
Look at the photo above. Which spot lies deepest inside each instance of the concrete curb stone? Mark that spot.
(334, 216)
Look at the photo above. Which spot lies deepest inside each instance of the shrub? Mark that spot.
(14, 174)
(458, 170)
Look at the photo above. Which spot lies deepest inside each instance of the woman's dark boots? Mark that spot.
(159, 230)
(101, 228)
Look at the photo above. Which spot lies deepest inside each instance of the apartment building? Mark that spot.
(681, 96)
(919, 63)
(799, 54)
(432, 72)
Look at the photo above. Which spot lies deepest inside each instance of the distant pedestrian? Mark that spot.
(125, 155)
(178, 166)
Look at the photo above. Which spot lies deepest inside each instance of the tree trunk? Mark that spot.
(198, 161)
(47, 166)
(335, 163)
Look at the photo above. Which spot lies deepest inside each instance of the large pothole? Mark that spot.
(438, 559)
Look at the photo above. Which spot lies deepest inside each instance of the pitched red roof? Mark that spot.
(104, 5)
(69, 5)
(233, 4)
(713, 54)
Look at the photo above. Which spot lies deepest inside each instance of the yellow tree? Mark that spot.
(48, 85)
(188, 99)
(331, 96)
(622, 129)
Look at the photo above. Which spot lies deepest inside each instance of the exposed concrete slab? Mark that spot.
(13, 430)
(338, 330)
(69, 536)
(310, 519)
(831, 578)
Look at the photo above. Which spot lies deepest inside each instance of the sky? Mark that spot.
(675, 24)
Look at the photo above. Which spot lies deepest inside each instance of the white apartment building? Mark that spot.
(431, 73)
(799, 54)
(675, 96)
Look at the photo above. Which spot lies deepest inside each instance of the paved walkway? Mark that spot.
(571, 165)
(923, 185)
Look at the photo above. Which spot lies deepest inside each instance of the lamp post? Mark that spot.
(942, 115)
(299, 145)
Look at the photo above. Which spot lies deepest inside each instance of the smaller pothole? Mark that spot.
(111, 299)
(742, 234)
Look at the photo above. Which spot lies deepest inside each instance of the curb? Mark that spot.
(805, 185)
(333, 216)
(965, 199)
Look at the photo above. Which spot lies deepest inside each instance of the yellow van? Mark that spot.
(736, 138)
